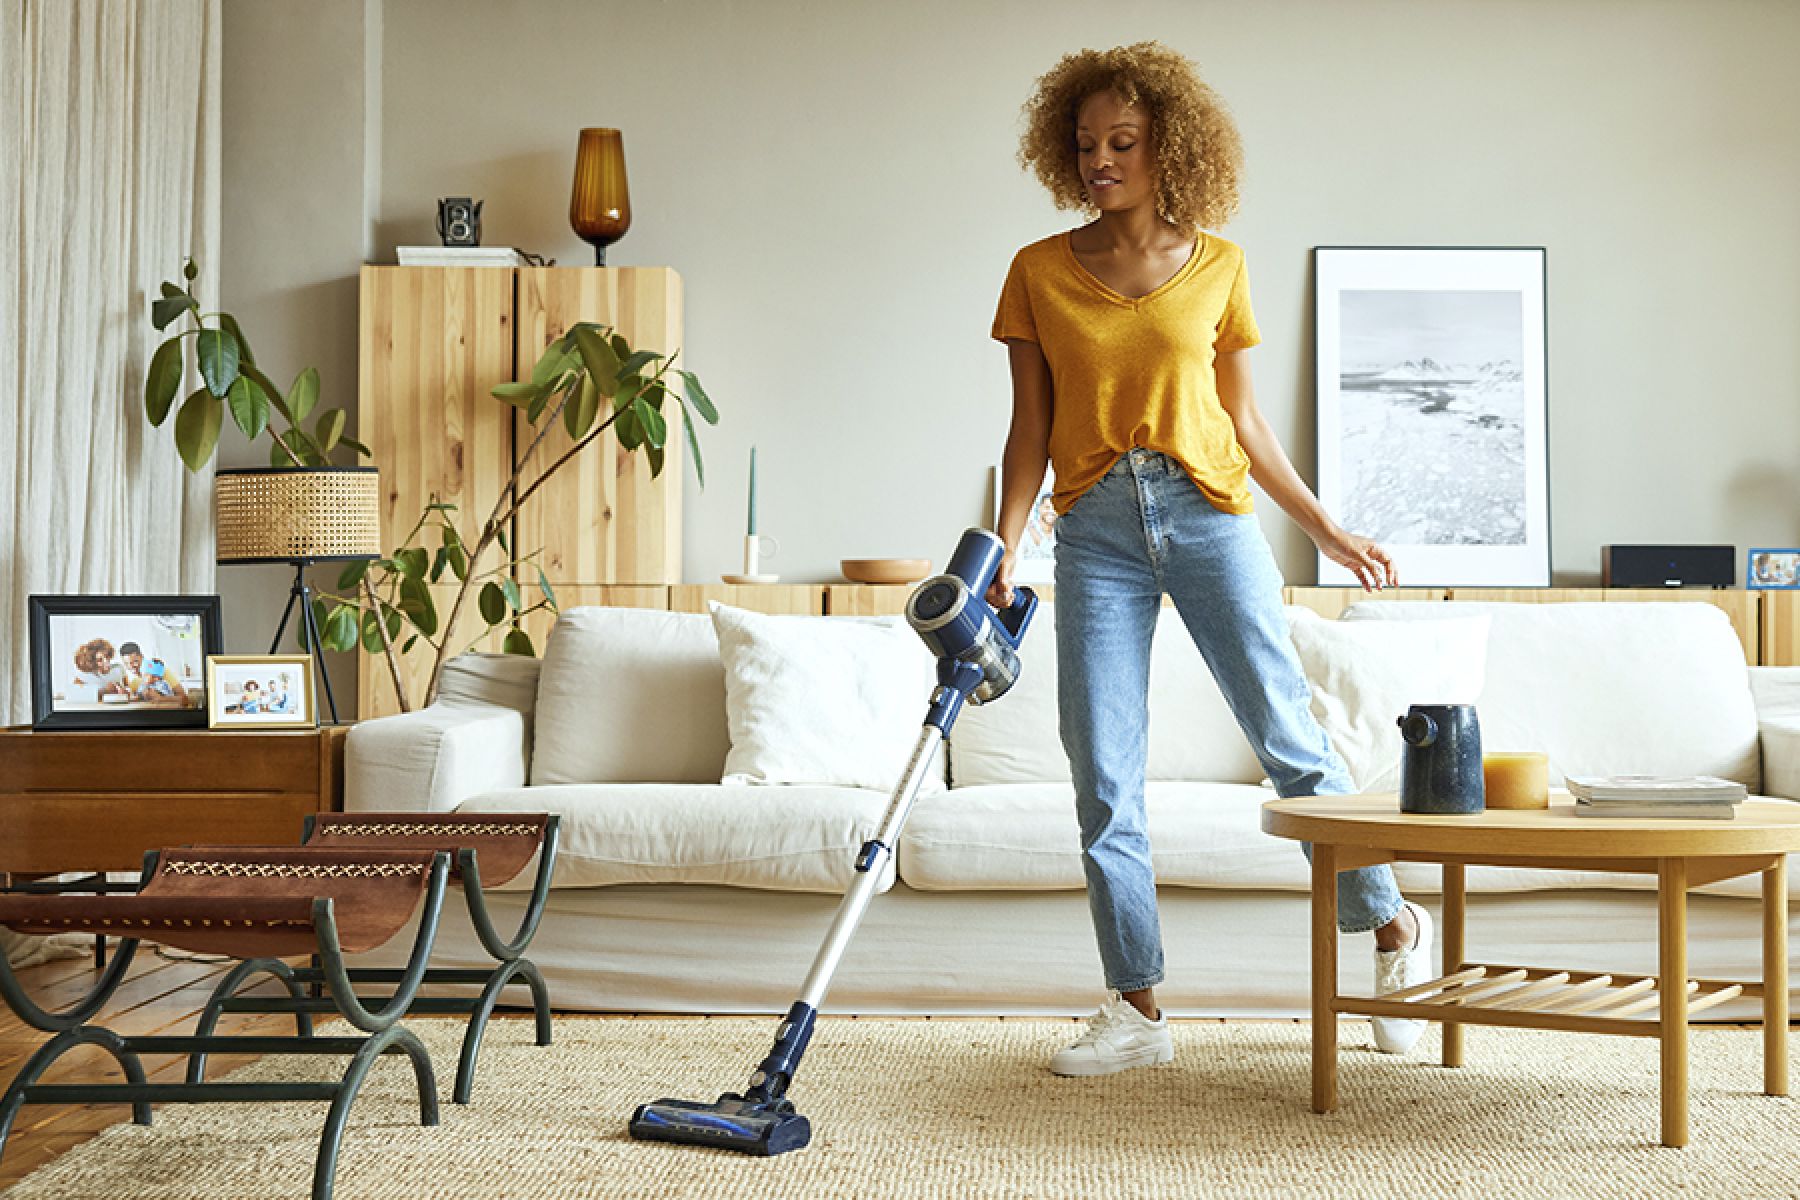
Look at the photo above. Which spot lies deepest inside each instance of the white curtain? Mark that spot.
(109, 176)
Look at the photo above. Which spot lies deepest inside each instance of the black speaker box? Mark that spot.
(1667, 566)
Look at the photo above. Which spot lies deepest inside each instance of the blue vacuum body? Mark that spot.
(977, 662)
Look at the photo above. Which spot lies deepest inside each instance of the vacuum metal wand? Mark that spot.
(977, 662)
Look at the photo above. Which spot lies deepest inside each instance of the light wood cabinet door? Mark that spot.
(435, 341)
(602, 519)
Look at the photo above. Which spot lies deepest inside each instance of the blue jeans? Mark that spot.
(1143, 530)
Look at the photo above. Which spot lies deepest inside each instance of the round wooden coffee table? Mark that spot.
(1358, 831)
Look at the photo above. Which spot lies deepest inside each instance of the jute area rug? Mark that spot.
(954, 1108)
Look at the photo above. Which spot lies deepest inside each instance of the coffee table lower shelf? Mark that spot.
(1543, 998)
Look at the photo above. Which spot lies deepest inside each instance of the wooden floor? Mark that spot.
(158, 996)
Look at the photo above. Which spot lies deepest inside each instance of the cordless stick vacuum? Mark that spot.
(977, 661)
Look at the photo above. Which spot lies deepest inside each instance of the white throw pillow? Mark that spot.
(823, 700)
(1365, 674)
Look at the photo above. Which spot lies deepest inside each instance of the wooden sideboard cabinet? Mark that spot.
(96, 800)
(434, 343)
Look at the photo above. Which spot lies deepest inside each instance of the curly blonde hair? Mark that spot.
(1199, 157)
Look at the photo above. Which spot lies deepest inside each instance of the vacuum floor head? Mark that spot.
(729, 1123)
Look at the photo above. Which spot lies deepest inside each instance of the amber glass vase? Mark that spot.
(600, 207)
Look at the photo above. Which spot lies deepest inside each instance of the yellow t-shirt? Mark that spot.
(1131, 372)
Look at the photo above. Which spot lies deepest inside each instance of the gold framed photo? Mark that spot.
(260, 691)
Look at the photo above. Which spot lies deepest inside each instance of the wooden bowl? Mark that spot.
(885, 570)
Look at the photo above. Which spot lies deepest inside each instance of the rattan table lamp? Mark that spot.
(299, 515)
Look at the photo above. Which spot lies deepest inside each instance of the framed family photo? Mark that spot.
(1036, 561)
(260, 691)
(1433, 431)
(1770, 567)
(121, 662)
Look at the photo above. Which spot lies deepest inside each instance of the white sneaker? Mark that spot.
(1403, 968)
(1118, 1038)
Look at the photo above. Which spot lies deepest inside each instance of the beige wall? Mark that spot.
(836, 184)
(296, 178)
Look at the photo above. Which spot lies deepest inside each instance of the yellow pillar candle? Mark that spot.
(1516, 779)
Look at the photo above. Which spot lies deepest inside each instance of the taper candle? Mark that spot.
(752, 530)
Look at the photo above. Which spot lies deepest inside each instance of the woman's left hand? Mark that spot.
(1363, 556)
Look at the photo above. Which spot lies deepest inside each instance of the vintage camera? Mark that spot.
(459, 221)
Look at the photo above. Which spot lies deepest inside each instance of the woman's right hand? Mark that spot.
(1000, 592)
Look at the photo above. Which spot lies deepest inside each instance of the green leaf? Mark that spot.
(620, 346)
(304, 394)
(637, 362)
(656, 460)
(169, 290)
(229, 324)
(189, 271)
(166, 311)
(414, 562)
(556, 359)
(539, 402)
(218, 355)
(456, 553)
(627, 393)
(656, 428)
(330, 429)
(371, 634)
(698, 396)
(406, 647)
(394, 617)
(501, 534)
(340, 631)
(352, 574)
(517, 642)
(493, 603)
(197, 427)
(416, 603)
(269, 389)
(629, 431)
(278, 456)
(582, 408)
(599, 357)
(544, 587)
(519, 395)
(439, 561)
(356, 446)
(249, 407)
(163, 380)
(511, 588)
(687, 423)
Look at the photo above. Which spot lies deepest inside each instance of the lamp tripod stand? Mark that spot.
(301, 592)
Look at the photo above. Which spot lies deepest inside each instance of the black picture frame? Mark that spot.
(44, 610)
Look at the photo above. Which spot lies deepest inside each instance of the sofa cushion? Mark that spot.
(1605, 689)
(1023, 837)
(788, 839)
(823, 700)
(1016, 739)
(630, 695)
(1364, 675)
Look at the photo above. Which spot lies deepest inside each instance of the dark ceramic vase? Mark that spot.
(1440, 766)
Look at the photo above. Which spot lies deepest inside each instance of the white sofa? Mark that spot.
(678, 893)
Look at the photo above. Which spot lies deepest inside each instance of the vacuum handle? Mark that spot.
(1016, 616)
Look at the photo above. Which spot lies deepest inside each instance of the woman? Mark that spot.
(1127, 342)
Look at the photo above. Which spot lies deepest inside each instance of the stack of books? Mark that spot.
(1659, 797)
(460, 256)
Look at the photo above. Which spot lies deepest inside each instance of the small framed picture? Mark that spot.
(260, 691)
(1036, 561)
(121, 662)
(1769, 567)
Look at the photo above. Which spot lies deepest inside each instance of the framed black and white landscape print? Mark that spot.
(1433, 437)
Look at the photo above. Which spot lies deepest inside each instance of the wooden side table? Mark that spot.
(1358, 831)
(96, 800)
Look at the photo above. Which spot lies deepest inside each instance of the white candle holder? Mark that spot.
(754, 553)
